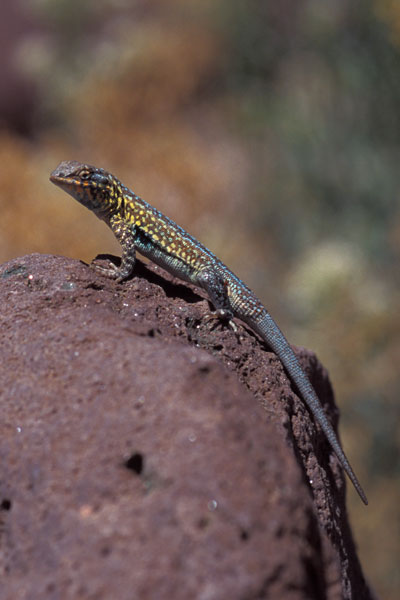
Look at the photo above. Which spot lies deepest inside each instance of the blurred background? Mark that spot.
(271, 131)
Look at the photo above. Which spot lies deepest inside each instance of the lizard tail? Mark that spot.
(272, 335)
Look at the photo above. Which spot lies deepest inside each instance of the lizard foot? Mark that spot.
(112, 271)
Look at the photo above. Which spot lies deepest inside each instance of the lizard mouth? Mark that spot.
(62, 181)
(71, 186)
(55, 180)
(60, 177)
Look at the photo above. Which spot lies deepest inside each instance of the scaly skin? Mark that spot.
(139, 226)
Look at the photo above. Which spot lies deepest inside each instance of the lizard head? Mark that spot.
(94, 188)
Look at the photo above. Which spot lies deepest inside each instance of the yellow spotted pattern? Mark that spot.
(163, 232)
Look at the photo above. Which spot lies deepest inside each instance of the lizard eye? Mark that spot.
(84, 174)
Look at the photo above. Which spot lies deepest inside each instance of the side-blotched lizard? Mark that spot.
(139, 226)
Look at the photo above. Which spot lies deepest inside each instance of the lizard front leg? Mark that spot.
(126, 237)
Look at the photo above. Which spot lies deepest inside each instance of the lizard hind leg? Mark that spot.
(217, 288)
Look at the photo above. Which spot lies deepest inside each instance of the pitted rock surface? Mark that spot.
(147, 452)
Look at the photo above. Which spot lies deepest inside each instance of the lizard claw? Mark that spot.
(220, 317)
(111, 271)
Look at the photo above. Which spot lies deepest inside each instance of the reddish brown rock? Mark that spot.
(136, 462)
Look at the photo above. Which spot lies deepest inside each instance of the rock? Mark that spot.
(137, 460)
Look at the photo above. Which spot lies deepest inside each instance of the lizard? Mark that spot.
(139, 226)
